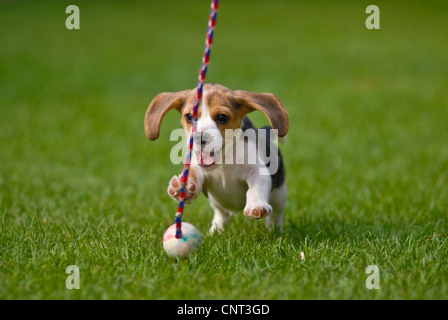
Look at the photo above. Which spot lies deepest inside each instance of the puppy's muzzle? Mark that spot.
(210, 142)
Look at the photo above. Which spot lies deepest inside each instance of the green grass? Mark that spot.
(366, 156)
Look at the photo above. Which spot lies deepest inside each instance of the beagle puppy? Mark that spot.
(232, 180)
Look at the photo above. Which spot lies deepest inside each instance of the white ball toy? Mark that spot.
(189, 242)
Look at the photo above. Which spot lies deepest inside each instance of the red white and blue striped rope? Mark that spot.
(197, 101)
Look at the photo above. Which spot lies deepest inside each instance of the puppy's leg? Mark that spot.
(193, 188)
(220, 220)
(257, 196)
(275, 220)
(278, 200)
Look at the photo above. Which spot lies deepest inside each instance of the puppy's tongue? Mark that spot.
(207, 159)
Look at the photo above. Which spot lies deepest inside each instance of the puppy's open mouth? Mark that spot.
(206, 159)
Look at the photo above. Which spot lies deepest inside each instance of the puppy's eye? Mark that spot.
(189, 117)
(221, 118)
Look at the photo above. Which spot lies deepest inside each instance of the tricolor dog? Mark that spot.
(237, 166)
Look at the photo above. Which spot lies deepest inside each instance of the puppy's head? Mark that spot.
(220, 109)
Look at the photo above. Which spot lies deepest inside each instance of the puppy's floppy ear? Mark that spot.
(159, 106)
(267, 103)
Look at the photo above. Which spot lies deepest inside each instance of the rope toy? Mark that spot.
(179, 245)
(197, 101)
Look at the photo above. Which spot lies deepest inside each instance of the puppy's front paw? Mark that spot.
(257, 210)
(191, 191)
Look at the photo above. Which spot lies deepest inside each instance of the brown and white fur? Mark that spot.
(230, 188)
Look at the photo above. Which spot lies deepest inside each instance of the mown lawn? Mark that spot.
(366, 155)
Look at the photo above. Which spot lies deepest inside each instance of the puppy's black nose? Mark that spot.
(205, 138)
